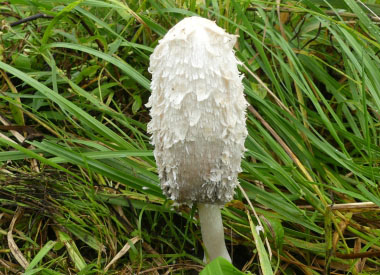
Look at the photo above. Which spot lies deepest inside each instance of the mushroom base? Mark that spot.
(212, 231)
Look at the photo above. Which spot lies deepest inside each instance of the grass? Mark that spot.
(79, 193)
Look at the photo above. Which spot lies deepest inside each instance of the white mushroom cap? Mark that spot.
(198, 112)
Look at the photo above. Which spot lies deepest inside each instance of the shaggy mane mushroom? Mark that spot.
(198, 121)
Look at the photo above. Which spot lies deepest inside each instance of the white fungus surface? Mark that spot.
(198, 112)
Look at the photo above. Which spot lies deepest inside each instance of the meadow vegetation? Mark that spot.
(79, 193)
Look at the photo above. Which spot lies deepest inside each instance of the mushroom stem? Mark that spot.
(212, 231)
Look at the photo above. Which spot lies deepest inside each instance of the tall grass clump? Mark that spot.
(79, 192)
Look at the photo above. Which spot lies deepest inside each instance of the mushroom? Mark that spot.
(198, 112)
